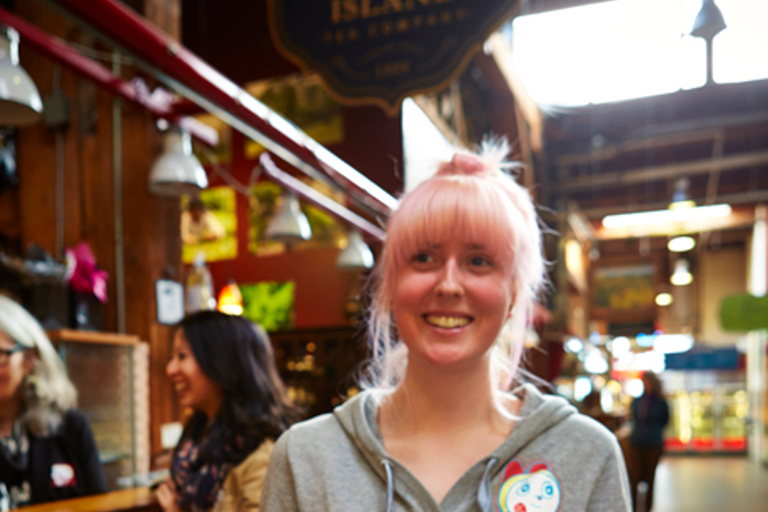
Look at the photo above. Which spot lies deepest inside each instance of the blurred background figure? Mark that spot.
(223, 369)
(198, 224)
(650, 414)
(47, 450)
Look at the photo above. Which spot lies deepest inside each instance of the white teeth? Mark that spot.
(447, 322)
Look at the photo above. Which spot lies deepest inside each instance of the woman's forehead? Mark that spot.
(6, 341)
(180, 340)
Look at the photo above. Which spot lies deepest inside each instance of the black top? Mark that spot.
(650, 414)
(61, 466)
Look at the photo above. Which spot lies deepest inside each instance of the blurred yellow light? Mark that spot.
(230, 300)
(664, 299)
(681, 244)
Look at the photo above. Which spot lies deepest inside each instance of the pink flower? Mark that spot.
(86, 277)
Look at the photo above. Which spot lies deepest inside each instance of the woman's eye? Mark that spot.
(422, 257)
(480, 261)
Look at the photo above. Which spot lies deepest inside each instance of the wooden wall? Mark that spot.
(150, 224)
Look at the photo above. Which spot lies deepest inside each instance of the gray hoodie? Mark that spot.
(555, 460)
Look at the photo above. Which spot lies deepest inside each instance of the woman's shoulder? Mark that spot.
(325, 430)
(311, 430)
(258, 457)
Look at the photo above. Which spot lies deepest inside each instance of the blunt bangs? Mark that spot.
(465, 207)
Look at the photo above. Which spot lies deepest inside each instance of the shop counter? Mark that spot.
(140, 499)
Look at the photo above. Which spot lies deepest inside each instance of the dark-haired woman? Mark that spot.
(222, 368)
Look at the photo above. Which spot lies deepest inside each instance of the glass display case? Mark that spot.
(708, 411)
(111, 374)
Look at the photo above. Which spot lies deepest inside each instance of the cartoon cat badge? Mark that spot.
(536, 489)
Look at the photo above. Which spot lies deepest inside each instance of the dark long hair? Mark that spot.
(236, 354)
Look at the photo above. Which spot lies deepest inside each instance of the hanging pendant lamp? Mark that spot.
(20, 103)
(709, 21)
(356, 255)
(682, 275)
(289, 223)
(177, 171)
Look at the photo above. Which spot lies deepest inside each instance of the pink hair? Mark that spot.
(473, 198)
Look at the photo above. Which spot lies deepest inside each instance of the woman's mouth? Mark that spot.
(447, 321)
(180, 388)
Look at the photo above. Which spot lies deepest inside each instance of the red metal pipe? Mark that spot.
(323, 202)
(56, 49)
(170, 58)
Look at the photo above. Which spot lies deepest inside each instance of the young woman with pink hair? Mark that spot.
(444, 423)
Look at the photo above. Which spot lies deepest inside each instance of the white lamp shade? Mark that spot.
(20, 103)
(177, 171)
(289, 223)
(681, 276)
(357, 255)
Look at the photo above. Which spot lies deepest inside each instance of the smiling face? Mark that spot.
(451, 300)
(194, 388)
(534, 492)
(12, 373)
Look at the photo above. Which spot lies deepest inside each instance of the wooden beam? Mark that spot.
(662, 172)
(502, 53)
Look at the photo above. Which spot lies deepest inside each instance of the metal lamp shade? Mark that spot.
(357, 255)
(709, 22)
(20, 103)
(289, 223)
(177, 171)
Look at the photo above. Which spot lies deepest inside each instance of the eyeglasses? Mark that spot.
(6, 353)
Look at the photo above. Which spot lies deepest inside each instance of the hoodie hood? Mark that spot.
(538, 414)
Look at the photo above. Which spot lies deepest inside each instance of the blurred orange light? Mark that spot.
(230, 299)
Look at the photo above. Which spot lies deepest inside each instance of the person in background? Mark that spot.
(650, 414)
(198, 224)
(223, 369)
(437, 428)
(47, 450)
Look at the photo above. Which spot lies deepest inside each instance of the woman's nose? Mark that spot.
(170, 368)
(449, 284)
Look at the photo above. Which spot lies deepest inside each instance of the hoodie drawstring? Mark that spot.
(390, 485)
(484, 494)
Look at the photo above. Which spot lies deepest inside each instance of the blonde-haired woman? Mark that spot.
(47, 450)
(438, 429)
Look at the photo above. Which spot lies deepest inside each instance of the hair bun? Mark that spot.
(463, 163)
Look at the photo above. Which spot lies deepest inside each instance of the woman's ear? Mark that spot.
(30, 356)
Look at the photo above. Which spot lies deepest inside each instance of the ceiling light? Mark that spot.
(230, 299)
(680, 197)
(20, 103)
(681, 276)
(681, 244)
(664, 299)
(709, 21)
(289, 223)
(177, 171)
(666, 216)
(356, 255)
(673, 343)
(574, 345)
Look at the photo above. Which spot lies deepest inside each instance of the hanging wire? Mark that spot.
(224, 174)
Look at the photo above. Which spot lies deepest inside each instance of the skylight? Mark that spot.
(625, 49)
